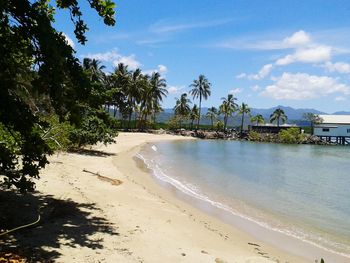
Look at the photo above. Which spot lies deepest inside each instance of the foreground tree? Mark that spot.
(227, 108)
(39, 75)
(278, 116)
(201, 90)
(243, 109)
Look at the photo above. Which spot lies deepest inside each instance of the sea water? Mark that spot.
(302, 191)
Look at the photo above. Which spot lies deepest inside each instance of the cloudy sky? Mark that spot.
(265, 52)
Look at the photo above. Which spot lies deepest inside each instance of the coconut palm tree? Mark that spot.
(212, 113)
(228, 107)
(278, 115)
(158, 92)
(257, 119)
(194, 114)
(94, 68)
(182, 107)
(243, 109)
(201, 90)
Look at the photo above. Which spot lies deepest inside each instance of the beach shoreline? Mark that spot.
(153, 223)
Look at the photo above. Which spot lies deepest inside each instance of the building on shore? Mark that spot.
(272, 128)
(335, 128)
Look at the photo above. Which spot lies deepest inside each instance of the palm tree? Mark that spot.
(158, 91)
(257, 119)
(278, 115)
(228, 107)
(134, 91)
(201, 90)
(243, 109)
(194, 114)
(212, 114)
(94, 68)
(182, 107)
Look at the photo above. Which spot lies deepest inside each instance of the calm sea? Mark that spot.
(299, 190)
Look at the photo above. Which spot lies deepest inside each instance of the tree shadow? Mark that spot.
(62, 222)
(90, 152)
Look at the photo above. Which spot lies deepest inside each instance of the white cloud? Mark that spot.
(175, 89)
(263, 72)
(235, 91)
(115, 57)
(241, 76)
(128, 60)
(255, 88)
(164, 26)
(302, 86)
(340, 67)
(160, 68)
(297, 39)
(314, 54)
(69, 40)
(108, 56)
(340, 98)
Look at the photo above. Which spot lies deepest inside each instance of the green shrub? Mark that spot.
(173, 123)
(219, 125)
(254, 136)
(291, 135)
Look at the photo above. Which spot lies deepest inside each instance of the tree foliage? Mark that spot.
(39, 75)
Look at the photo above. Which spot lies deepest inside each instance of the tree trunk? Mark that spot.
(242, 123)
(212, 123)
(200, 106)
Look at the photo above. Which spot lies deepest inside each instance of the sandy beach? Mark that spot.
(125, 216)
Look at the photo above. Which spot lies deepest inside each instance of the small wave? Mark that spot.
(194, 192)
(154, 148)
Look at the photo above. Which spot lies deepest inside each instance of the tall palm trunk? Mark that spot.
(225, 122)
(200, 106)
(278, 122)
(242, 123)
(212, 122)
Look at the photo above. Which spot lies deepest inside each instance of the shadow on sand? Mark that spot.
(62, 221)
(90, 152)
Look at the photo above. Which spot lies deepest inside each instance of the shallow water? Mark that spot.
(300, 190)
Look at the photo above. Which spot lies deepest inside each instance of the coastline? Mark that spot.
(153, 223)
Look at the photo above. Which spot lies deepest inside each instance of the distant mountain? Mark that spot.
(342, 113)
(292, 114)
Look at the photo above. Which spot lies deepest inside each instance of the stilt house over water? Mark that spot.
(334, 128)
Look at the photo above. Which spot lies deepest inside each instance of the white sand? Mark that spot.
(153, 225)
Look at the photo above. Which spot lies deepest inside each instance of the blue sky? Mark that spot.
(265, 52)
